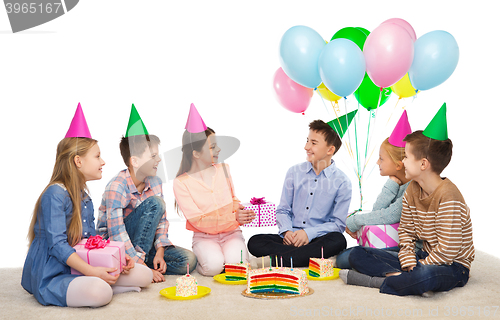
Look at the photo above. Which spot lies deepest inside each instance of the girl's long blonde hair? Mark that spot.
(397, 154)
(66, 173)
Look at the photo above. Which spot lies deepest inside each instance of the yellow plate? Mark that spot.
(335, 275)
(222, 279)
(170, 293)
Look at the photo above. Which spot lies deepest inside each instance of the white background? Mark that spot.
(222, 55)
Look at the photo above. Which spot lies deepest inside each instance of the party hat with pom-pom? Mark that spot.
(78, 127)
(438, 128)
(401, 130)
(135, 125)
(194, 122)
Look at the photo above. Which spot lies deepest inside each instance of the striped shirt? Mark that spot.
(119, 199)
(441, 220)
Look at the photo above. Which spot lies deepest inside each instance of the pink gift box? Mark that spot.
(379, 236)
(111, 256)
(265, 214)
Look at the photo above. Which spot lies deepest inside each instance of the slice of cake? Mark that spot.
(186, 286)
(280, 280)
(236, 271)
(320, 268)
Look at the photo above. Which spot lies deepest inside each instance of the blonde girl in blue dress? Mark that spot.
(63, 215)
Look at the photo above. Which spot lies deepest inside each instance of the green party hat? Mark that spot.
(438, 129)
(341, 124)
(135, 125)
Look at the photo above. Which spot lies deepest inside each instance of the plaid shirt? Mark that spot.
(119, 199)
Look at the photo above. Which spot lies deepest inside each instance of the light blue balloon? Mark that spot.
(342, 66)
(300, 48)
(435, 59)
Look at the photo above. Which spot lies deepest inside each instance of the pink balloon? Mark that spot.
(293, 96)
(388, 54)
(405, 25)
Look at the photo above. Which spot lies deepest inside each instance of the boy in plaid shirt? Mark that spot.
(132, 208)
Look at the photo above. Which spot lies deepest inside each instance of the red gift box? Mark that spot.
(101, 253)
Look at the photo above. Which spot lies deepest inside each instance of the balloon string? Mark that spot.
(390, 116)
(347, 124)
(336, 109)
(358, 162)
(348, 143)
(385, 127)
(374, 124)
(323, 100)
(357, 156)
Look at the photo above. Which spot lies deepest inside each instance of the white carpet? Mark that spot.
(479, 299)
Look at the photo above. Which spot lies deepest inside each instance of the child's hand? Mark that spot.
(301, 238)
(244, 216)
(157, 276)
(130, 264)
(159, 262)
(104, 274)
(288, 238)
(353, 235)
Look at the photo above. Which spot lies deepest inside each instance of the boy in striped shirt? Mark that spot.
(435, 212)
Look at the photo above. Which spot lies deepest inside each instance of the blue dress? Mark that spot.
(46, 274)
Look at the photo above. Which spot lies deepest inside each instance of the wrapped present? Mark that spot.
(379, 236)
(265, 213)
(101, 253)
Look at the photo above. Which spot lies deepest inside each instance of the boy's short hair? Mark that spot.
(438, 152)
(331, 136)
(136, 145)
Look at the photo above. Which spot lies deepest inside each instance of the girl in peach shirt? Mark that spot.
(204, 192)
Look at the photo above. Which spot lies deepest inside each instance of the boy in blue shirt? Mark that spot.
(314, 203)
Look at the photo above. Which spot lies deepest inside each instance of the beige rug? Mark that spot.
(479, 299)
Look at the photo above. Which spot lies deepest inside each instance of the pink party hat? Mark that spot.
(78, 127)
(401, 130)
(194, 122)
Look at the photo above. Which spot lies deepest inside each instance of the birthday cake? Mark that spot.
(186, 286)
(277, 280)
(320, 268)
(236, 271)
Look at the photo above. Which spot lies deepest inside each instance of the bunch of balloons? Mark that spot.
(369, 65)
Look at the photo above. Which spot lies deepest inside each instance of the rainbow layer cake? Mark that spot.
(320, 268)
(236, 271)
(279, 280)
(186, 286)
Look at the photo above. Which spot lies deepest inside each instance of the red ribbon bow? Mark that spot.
(258, 201)
(96, 242)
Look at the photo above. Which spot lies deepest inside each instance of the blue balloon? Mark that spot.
(300, 48)
(342, 66)
(435, 59)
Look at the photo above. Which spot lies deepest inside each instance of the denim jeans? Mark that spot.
(423, 278)
(141, 226)
(342, 260)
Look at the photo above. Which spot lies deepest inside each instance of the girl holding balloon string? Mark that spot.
(63, 215)
(387, 208)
